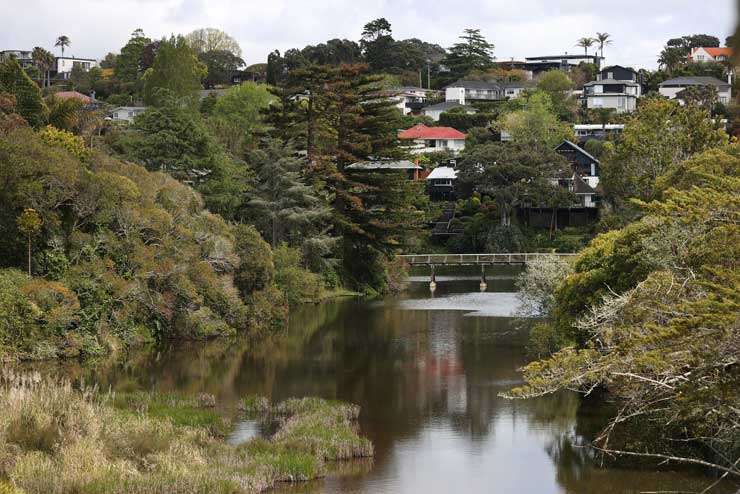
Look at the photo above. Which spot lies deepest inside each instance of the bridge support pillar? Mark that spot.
(483, 284)
(432, 279)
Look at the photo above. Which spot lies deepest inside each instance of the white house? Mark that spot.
(672, 87)
(410, 99)
(514, 89)
(126, 113)
(710, 54)
(463, 91)
(64, 65)
(615, 87)
(434, 111)
(23, 56)
(422, 139)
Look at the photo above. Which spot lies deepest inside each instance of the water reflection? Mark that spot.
(427, 377)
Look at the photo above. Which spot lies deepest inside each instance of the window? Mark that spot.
(130, 114)
(610, 75)
(597, 102)
(700, 58)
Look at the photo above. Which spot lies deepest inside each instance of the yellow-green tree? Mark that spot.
(29, 223)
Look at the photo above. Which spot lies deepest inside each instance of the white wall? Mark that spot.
(455, 94)
(620, 103)
(64, 65)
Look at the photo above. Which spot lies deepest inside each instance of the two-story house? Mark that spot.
(464, 91)
(23, 56)
(672, 87)
(615, 87)
(410, 99)
(422, 139)
(710, 54)
(63, 65)
(586, 170)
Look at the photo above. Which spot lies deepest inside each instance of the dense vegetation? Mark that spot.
(54, 438)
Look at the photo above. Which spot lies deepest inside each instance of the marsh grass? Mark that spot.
(58, 439)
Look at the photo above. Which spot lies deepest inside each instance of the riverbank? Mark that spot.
(55, 438)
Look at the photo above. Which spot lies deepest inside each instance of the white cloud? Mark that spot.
(518, 29)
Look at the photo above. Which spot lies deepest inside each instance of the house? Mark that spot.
(615, 87)
(565, 62)
(706, 54)
(204, 93)
(672, 87)
(63, 65)
(409, 99)
(514, 89)
(412, 170)
(24, 57)
(583, 163)
(585, 132)
(423, 139)
(441, 183)
(463, 91)
(434, 111)
(126, 113)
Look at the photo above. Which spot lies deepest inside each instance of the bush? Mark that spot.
(298, 284)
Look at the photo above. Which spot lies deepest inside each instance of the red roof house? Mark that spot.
(421, 131)
(710, 54)
(423, 139)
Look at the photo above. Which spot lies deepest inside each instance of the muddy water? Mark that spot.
(427, 371)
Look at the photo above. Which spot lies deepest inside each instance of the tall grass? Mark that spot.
(56, 439)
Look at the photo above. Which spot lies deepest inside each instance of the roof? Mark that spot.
(132, 108)
(475, 84)
(76, 58)
(449, 105)
(610, 67)
(65, 95)
(694, 81)
(625, 82)
(384, 165)
(442, 172)
(421, 131)
(577, 148)
(562, 57)
(715, 51)
(524, 84)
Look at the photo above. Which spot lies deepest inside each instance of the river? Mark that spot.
(426, 370)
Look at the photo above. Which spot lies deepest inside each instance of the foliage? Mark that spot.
(557, 85)
(129, 65)
(298, 284)
(236, 116)
(653, 308)
(677, 50)
(176, 68)
(463, 121)
(28, 101)
(536, 285)
(220, 66)
(210, 40)
(473, 52)
(536, 125)
(656, 139)
(64, 114)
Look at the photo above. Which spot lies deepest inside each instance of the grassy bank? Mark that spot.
(57, 439)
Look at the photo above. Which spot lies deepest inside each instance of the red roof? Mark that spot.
(716, 52)
(421, 131)
(73, 95)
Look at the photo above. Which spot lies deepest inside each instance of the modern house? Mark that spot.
(707, 54)
(464, 91)
(672, 87)
(409, 99)
(564, 62)
(585, 132)
(63, 65)
(24, 57)
(126, 113)
(583, 163)
(615, 87)
(423, 139)
(434, 111)
(514, 89)
(412, 170)
(441, 183)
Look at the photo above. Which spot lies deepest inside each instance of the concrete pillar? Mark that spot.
(432, 280)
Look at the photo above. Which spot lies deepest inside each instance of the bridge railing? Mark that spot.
(478, 259)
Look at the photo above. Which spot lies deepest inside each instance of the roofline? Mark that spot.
(77, 58)
(579, 148)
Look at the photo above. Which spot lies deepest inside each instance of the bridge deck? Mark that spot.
(518, 258)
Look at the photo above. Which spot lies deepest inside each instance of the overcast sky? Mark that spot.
(518, 28)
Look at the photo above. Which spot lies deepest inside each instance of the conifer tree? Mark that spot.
(29, 104)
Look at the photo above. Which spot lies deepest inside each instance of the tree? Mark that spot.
(283, 205)
(585, 43)
(557, 85)
(176, 68)
(513, 174)
(677, 50)
(603, 39)
(704, 97)
(128, 65)
(378, 44)
(63, 42)
(656, 139)
(236, 117)
(536, 125)
(221, 66)
(29, 104)
(473, 53)
(211, 39)
(29, 224)
(44, 61)
(109, 61)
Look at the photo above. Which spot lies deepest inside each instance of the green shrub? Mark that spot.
(298, 284)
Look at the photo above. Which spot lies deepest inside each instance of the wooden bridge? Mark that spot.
(515, 259)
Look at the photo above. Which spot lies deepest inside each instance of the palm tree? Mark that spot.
(63, 42)
(603, 39)
(585, 43)
(44, 61)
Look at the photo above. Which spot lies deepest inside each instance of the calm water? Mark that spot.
(427, 371)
